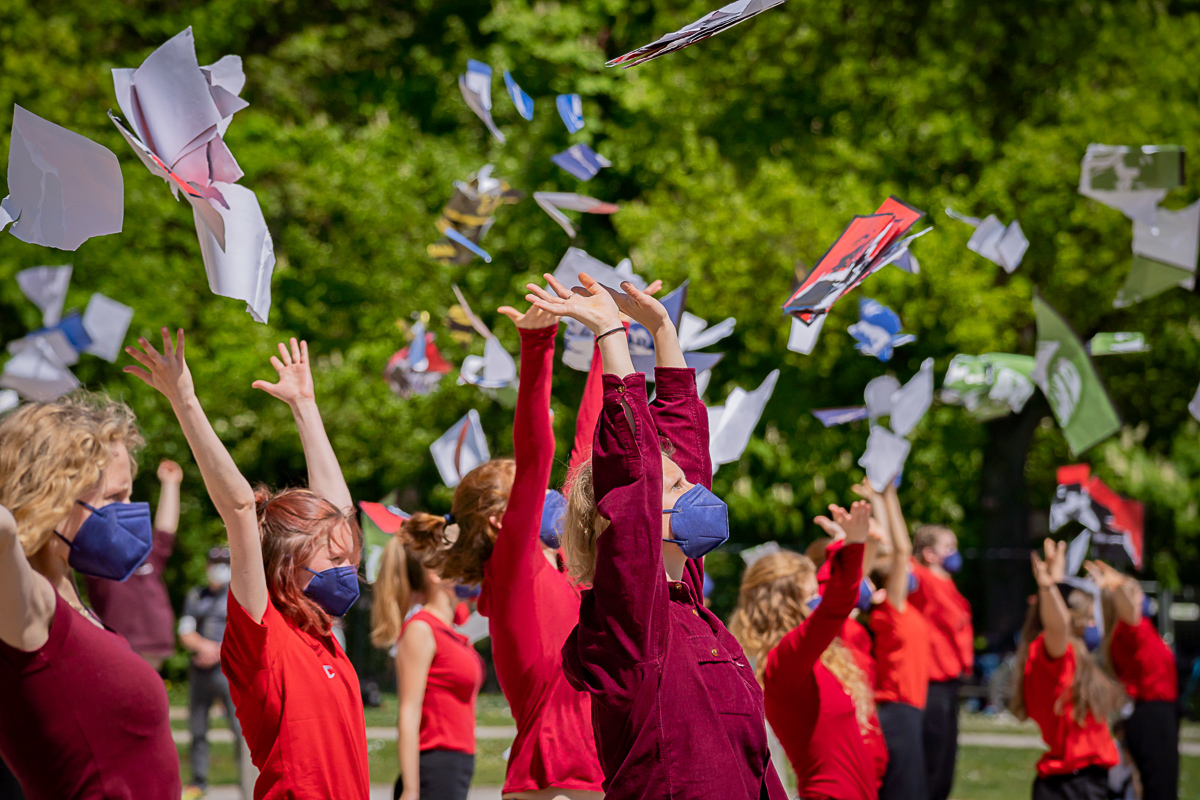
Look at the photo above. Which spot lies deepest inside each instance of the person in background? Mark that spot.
(1064, 690)
(438, 672)
(201, 629)
(139, 608)
(1143, 662)
(951, 649)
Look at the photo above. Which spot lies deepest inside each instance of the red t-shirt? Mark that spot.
(1143, 662)
(300, 706)
(901, 654)
(455, 676)
(85, 717)
(1071, 747)
(951, 637)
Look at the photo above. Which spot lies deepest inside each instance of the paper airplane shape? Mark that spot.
(1110, 344)
(63, 188)
(999, 243)
(476, 88)
(1165, 251)
(878, 330)
(803, 336)
(570, 108)
(867, 245)
(709, 25)
(242, 268)
(552, 202)
(884, 458)
(460, 449)
(831, 417)
(730, 426)
(418, 368)
(1133, 180)
(581, 161)
(495, 369)
(470, 214)
(1116, 523)
(522, 101)
(991, 385)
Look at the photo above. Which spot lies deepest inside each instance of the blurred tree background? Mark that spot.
(736, 163)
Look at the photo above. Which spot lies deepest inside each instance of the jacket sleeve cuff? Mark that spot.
(678, 382)
(631, 388)
(534, 336)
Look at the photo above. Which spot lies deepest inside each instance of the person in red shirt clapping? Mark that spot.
(1141, 660)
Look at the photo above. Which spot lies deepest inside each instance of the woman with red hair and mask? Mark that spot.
(294, 556)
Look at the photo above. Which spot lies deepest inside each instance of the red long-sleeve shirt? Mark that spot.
(676, 709)
(1143, 662)
(532, 607)
(808, 707)
(951, 637)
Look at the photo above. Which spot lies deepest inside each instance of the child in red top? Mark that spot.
(1065, 692)
(1145, 665)
(951, 649)
(294, 557)
(817, 698)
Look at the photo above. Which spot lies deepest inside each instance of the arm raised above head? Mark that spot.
(26, 598)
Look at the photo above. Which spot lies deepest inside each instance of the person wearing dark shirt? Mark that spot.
(201, 629)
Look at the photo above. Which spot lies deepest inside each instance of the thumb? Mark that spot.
(269, 388)
(510, 312)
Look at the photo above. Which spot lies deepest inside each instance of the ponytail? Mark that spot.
(403, 572)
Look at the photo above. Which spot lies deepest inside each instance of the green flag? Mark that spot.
(989, 386)
(1148, 277)
(1067, 377)
(1110, 344)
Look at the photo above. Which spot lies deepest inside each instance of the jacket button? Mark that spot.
(714, 652)
(694, 611)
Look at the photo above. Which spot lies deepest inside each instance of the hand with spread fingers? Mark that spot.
(591, 304)
(1056, 559)
(295, 383)
(641, 307)
(167, 371)
(1041, 572)
(532, 319)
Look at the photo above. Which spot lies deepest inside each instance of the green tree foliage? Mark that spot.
(737, 162)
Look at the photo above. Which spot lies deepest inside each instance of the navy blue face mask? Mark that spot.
(1146, 611)
(952, 562)
(699, 522)
(113, 541)
(813, 602)
(552, 514)
(334, 589)
(1091, 637)
(864, 596)
(467, 592)
(913, 583)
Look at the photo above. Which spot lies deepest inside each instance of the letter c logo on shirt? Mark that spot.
(329, 673)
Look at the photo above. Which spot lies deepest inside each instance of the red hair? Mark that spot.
(294, 525)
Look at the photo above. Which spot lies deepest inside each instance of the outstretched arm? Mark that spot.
(1125, 592)
(897, 579)
(230, 492)
(295, 387)
(166, 516)
(26, 598)
(1056, 620)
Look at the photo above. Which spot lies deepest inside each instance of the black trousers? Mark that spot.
(1152, 736)
(445, 775)
(1090, 783)
(905, 776)
(940, 737)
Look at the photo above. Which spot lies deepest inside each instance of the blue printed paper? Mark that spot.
(458, 238)
(878, 330)
(570, 108)
(522, 101)
(581, 161)
(830, 417)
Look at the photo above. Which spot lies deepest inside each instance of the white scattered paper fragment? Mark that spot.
(732, 425)
(910, 402)
(106, 322)
(884, 458)
(460, 449)
(46, 288)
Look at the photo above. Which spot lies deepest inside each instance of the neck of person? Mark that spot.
(939, 570)
(674, 561)
(441, 603)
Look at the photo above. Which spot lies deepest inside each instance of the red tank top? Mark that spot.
(85, 717)
(455, 676)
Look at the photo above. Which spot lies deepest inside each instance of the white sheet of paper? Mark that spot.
(910, 402)
(884, 458)
(752, 554)
(1173, 237)
(46, 288)
(52, 341)
(702, 379)
(460, 449)
(551, 202)
(9, 399)
(1194, 406)
(694, 333)
(1077, 551)
(575, 261)
(37, 374)
(878, 395)
(107, 322)
(985, 238)
(475, 628)
(63, 188)
(1012, 247)
(495, 369)
(578, 346)
(736, 422)
(243, 268)
(803, 338)
(1138, 205)
(481, 105)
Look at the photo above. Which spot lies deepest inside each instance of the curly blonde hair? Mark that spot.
(582, 525)
(770, 604)
(52, 453)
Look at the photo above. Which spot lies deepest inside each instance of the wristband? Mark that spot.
(609, 333)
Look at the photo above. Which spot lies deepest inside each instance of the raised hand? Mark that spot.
(641, 307)
(295, 378)
(1105, 576)
(532, 319)
(855, 522)
(593, 305)
(832, 529)
(167, 372)
(1056, 559)
(866, 492)
(1041, 572)
(169, 472)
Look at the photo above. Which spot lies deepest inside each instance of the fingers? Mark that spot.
(168, 346)
(303, 351)
(654, 288)
(558, 288)
(265, 386)
(149, 348)
(511, 313)
(140, 357)
(277, 364)
(545, 305)
(591, 284)
(284, 356)
(138, 373)
(179, 343)
(540, 293)
(295, 351)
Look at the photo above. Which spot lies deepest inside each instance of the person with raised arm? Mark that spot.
(293, 558)
(1060, 686)
(676, 709)
(818, 698)
(81, 715)
(1144, 663)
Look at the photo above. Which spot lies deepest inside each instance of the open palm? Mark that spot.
(295, 378)
(592, 305)
(532, 319)
(167, 371)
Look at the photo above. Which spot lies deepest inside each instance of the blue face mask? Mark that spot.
(864, 596)
(1146, 610)
(334, 589)
(913, 583)
(112, 542)
(467, 592)
(699, 522)
(552, 514)
(813, 602)
(952, 562)
(1091, 637)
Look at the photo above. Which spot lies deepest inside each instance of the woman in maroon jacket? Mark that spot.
(676, 709)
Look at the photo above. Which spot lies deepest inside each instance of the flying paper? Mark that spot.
(910, 402)
(1194, 406)
(1132, 180)
(570, 108)
(63, 188)
(1116, 523)
(522, 101)
(1109, 344)
(730, 426)
(1067, 378)
(878, 330)
(578, 346)
(495, 369)
(867, 245)
(885, 457)
(830, 417)
(551, 202)
(1164, 254)
(46, 288)
(803, 337)
(476, 88)
(694, 334)
(575, 261)
(752, 554)
(989, 386)
(460, 449)
(999, 243)
(878, 396)
(242, 268)
(470, 213)
(709, 25)
(9, 399)
(581, 161)
(38, 373)
(106, 322)
(418, 368)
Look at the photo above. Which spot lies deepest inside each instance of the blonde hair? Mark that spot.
(402, 573)
(770, 604)
(582, 525)
(52, 453)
